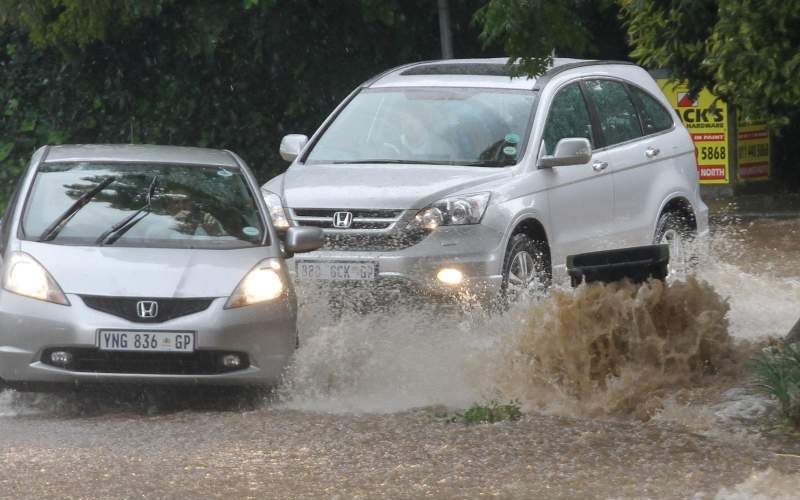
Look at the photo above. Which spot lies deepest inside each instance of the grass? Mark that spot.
(777, 371)
(489, 413)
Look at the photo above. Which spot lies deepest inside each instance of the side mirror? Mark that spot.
(569, 151)
(291, 145)
(303, 239)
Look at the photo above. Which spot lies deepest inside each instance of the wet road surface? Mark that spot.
(273, 453)
(359, 436)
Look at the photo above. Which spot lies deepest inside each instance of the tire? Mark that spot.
(526, 268)
(673, 229)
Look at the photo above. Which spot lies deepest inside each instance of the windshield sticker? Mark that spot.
(250, 231)
(512, 138)
(224, 173)
(510, 150)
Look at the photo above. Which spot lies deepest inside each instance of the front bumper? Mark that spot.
(266, 333)
(476, 250)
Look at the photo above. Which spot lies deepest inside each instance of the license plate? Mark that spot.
(336, 271)
(117, 340)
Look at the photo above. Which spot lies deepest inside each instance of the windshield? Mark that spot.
(449, 126)
(190, 207)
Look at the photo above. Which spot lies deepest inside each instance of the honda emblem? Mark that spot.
(342, 220)
(147, 309)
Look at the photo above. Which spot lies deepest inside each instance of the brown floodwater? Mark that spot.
(627, 392)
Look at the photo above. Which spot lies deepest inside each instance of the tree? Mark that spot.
(745, 51)
(59, 22)
(532, 30)
(232, 74)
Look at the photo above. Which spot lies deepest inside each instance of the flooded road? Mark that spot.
(360, 413)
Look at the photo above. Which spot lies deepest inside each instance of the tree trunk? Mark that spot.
(445, 35)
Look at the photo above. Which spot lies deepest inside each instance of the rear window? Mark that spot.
(654, 117)
(205, 207)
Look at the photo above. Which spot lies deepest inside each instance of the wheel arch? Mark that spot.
(678, 204)
(531, 226)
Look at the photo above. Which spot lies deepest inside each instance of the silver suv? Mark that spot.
(454, 174)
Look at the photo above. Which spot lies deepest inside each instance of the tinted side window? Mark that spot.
(619, 121)
(654, 117)
(568, 117)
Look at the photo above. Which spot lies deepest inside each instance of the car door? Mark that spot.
(634, 149)
(637, 199)
(580, 197)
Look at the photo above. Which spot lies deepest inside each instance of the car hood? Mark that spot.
(380, 186)
(145, 272)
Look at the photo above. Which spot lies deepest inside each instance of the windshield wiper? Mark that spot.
(488, 163)
(481, 163)
(53, 229)
(379, 160)
(116, 231)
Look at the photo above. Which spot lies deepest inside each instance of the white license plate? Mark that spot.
(117, 340)
(336, 271)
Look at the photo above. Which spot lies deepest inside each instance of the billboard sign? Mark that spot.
(753, 151)
(706, 118)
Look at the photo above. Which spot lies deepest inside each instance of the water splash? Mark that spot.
(615, 348)
(380, 363)
(765, 485)
(404, 357)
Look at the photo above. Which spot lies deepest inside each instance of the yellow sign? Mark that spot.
(752, 156)
(706, 118)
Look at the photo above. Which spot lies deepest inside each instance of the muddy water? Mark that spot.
(664, 413)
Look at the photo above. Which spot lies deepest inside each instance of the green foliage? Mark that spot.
(777, 370)
(745, 51)
(55, 22)
(672, 35)
(489, 413)
(531, 30)
(754, 54)
(233, 74)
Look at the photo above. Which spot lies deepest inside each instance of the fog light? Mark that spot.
(231, 361)
(60, 358)
(450, 276)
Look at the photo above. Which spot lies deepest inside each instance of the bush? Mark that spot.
(777, 370)
(489, 413)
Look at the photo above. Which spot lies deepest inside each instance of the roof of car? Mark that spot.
(140, 153)
(488, 73)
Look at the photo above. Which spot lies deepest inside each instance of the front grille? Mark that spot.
(363, 219)
(125, 307)
(89, 360)
(377, 230)
(386, 242)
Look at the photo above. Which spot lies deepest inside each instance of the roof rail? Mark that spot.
(392, 70)
(556, 70)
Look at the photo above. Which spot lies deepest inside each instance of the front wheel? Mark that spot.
(526, 268)
(674, 230)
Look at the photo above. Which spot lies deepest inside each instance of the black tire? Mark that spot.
(520, 247)
(675, 229)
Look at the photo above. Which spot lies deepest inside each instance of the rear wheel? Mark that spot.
(673, 229)
(526, 268)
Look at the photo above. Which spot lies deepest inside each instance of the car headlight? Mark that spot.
(262, 284)
(23, 275)
(276, 211)
(454, 211)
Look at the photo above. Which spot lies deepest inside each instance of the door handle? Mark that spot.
(651, 152)
(599, 166)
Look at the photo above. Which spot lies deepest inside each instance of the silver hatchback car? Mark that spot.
(143, 264)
